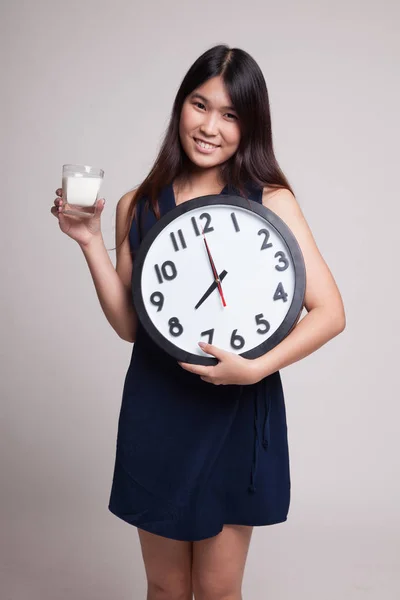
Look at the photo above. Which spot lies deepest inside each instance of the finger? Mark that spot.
(210, 349)
(99, 206)
(59, 191)
(58, 201)
(54, 211)
(196, 369)
(210, 380)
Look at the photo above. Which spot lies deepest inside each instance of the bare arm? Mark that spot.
(323, 302)
(113, 285)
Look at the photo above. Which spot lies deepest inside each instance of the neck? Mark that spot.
(207, 181)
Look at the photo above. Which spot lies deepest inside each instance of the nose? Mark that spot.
(209, 125)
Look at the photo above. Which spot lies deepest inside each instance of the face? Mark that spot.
(207, 115)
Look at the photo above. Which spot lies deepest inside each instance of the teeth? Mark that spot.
(204, 145)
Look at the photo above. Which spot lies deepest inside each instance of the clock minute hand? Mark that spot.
(212, 287)
(214, 270)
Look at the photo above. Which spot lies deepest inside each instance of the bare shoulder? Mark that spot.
(284, 204)
(123, 253)
(125, 200)
(321, 288)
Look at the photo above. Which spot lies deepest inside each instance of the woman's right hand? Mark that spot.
(80, 229)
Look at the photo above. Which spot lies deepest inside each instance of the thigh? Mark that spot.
(168, 566)
(218, 563)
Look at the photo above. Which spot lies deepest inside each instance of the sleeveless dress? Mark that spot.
(192, 456)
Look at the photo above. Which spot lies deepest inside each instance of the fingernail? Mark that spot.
(202, 344)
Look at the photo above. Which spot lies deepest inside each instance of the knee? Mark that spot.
(173, 589)
(215, 588)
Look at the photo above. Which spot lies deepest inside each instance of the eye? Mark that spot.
(231, 116)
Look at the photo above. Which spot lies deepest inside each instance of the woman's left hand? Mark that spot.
(231, 369)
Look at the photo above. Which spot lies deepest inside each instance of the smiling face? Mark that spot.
(208, 115)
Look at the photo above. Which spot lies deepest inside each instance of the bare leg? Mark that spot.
(168, 567)
(219, 562)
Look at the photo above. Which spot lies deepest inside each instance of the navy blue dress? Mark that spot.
(192, 456)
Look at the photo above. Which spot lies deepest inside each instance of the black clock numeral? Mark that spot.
(168, 271)
(280, 293)
(207, 218)
(210, 333)
(175, 328)
(265, 242)
(206, 228)
(282, 258)
(157, 299)
(234, 221)
(194, 223)
(237, 341)
(261, 321)
(181, 239)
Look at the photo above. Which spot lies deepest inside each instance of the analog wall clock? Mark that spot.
(221, 269)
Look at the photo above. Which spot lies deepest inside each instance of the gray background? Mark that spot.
(93, 83)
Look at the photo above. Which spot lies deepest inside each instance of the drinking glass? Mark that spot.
(80, 185)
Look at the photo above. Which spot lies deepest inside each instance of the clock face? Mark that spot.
(261, 274)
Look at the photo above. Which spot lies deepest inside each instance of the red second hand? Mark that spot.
(214, 270)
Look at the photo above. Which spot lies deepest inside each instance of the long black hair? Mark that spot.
(254, 159)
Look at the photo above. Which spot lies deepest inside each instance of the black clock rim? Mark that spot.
(273, 219)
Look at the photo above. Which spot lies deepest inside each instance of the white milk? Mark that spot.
(81, 190)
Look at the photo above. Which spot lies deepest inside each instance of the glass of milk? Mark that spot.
(81, 185)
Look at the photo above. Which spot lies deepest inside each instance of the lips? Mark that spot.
(205, 142)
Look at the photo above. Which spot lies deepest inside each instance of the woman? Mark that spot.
(202, 453)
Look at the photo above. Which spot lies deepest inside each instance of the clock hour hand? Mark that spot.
(212, 287)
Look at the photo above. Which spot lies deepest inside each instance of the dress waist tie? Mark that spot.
(260, 394)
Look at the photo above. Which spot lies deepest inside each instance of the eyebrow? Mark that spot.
(204, 99)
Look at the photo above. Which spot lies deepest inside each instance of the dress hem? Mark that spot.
(149, 527)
